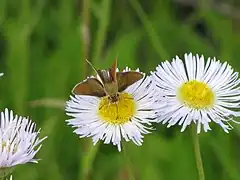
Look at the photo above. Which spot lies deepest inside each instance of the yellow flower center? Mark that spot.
(195, 94)
(118, 112)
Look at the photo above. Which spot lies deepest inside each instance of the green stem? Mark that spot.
(90, 151)
(86, 33)
(102, 29)
(198, 154)
(3, 4)
(88, 159)
(153, 36)
(128, 163)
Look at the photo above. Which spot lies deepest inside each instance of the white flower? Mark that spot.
(128, 118)
(19, 142)
(198, 91)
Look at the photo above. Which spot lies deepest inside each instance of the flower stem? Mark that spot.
(103, 23)
(152, 33)
(90, 151)
(86, 33)
(198, 154)
(88, 159)
(128, 163)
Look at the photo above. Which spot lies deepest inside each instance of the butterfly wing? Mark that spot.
(91, 87)
(126, 79)
(112, 71)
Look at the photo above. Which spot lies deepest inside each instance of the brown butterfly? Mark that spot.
(110, 83)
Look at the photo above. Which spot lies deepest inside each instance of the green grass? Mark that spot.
(42, 57)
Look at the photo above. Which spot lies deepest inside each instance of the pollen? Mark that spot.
(195, 94)
(119, 112)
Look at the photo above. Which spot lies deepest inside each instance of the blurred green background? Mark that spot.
(43, 45)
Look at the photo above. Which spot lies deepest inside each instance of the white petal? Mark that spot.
(19, 141)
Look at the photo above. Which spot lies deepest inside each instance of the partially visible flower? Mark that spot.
(19, 142)
(127, 119)
(198, 92)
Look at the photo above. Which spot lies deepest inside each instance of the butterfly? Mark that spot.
(108, 83)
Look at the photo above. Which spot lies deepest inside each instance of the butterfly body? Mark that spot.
(108, 83)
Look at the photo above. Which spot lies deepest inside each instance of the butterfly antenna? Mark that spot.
(116, 59)
(92, 66)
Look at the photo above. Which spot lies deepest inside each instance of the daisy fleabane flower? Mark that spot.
(198, 91)
(127, 119)
(19, 142)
